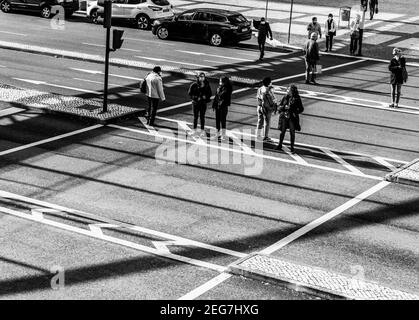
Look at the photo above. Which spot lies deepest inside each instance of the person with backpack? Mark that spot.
(397, 67)
(200, 93)
(222, 101)
(311, 58)
(153, 87)
(330, 32)
(267, 104)
(289, 109)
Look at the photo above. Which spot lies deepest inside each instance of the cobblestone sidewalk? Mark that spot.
(88, 108)
(408, 174)
(315, 280)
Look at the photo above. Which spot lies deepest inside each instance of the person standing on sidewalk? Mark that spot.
(330, 32)
(355, 34)
(222, 101)
(398, 76)
(267, 104)
(311, 58)
(154, 93)
(314, 26)
(289, 109)
(264, 31)
(200, 93)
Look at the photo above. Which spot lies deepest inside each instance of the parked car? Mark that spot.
(46, 8)
(141, 12)
(215, 26)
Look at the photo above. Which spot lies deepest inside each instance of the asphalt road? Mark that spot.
(118, 175)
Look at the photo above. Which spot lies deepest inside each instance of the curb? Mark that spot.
(334, 288)
(395, 175)
(118, 62)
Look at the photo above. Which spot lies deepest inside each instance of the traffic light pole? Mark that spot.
(361, 33)
(105, 89)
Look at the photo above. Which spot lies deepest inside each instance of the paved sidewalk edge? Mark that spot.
(325, 293)
(394, 176)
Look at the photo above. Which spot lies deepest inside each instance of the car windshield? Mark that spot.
(237, 18)
(161, 2)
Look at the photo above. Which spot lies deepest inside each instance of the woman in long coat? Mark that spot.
(289, 110)
(398, 76)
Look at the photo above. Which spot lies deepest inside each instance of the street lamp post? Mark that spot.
(266, 10)
(289, 27)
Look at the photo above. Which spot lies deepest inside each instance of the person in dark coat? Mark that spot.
(200, 93)
(398, 76)
(311, 58)
(289, 109)
(373, 4)
(222, 101)
(264, 31)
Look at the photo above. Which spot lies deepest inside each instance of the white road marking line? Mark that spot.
(214, 55)
(14, 33)
(238, 141)
(49, 207)
(176, 106)
(61, 136)
(296, 157)
(2, 66)
(314, 224)
(114, 240)
(297, 143)
(101, 72)
(412, 64)
(183, 125)
(206, 286)
(341, 161)
(96, 228)
(55, 85)
(240, 66)
(176, 62)
(261, 155)
(10, 111)
(103, 46)
(143, 40)
(112, 85)
(383, 162)
(150, 129)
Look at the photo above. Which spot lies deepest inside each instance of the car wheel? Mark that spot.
(162, 33)
(94, 16)
(143, 22)
(46, 12)
(216, 40)
(6, 6)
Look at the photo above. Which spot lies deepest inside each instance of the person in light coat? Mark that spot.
(154, 93)
(330, 32)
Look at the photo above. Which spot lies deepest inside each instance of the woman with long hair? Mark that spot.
(397, 67)
(220, 106)
(289, 110)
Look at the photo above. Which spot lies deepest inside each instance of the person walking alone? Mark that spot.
(330, 32)
(267, 104)
(154, 93)
(355, 34)
(373, 4)
(311, 58)
(398, 76)
(200, 93)
(222, 101)
(314, 26)
(264, 31)
(289, 109)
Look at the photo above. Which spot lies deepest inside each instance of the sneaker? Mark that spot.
(279, 147)
(396, 105)
(391, 105)
(267, 139)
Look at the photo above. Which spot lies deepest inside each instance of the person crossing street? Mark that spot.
(264, 31)
(200, 93)
(154, 93)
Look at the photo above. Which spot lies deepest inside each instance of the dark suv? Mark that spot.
(47, 8)
(215, 26)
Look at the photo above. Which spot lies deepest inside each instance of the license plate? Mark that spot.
(245, 29)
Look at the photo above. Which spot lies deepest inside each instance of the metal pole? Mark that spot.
(361, 33)
(289, 28)
(266, 10)
(105, 89)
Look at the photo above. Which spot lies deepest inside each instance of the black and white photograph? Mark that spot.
(210, 158)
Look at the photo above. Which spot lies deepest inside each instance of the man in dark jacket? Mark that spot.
(311, 58)
(200, 93)
(264, 31)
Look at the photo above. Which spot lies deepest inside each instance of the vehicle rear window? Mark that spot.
(218, 18)
(237, 18)
(161, 2)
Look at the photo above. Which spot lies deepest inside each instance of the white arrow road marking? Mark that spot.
(188, 130)
(177, 62)
(296, 157)
(114, 240)
(150, 129)
(162, 245)
(38, 213)
(55, 85)
(341, 161)
(61, 136)
(96, 228)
